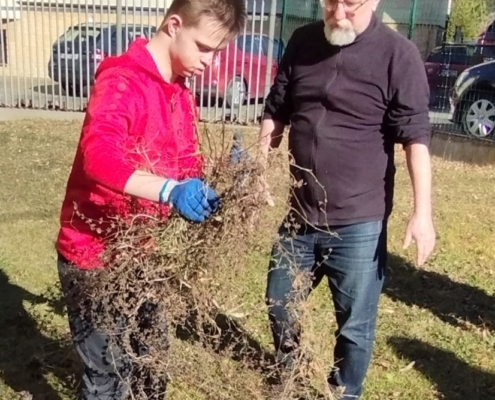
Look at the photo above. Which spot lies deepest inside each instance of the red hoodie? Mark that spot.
(135, 120)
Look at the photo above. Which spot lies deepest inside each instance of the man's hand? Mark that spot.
(420, 228)
(421, 231)
(270, 137)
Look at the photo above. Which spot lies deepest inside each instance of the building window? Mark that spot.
(3, 47)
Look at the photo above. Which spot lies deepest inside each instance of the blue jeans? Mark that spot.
(354, 263)
(108, 372)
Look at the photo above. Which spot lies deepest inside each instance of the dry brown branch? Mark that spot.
(163, 274)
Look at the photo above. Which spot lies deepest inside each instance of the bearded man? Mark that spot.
(350, 88)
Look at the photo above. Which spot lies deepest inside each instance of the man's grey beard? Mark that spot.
(339, 36)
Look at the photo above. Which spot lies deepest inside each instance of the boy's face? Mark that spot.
(194, 47)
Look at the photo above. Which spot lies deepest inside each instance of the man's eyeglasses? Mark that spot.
(349, 5)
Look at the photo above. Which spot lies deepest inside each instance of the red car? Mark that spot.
(487, 37)
(485, 45)
(238, 73)
(444, 64)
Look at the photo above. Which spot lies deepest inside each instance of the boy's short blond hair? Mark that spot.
(231, 14)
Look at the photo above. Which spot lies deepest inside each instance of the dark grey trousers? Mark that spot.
(107, 371)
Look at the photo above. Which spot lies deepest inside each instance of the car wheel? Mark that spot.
(478, 115)
(236, 92)
(76, 90)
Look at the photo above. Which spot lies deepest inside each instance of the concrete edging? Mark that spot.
(454, 147)
(18, 114)
(448, 146)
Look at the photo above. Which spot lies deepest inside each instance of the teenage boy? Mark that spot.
(138, 154)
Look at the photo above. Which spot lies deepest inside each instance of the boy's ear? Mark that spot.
(172, 24)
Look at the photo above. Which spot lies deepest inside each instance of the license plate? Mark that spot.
(449, 73)
(64, 56)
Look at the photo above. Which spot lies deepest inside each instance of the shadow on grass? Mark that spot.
(454, 379)
(27, 356)
(231, 338)
(454, 303)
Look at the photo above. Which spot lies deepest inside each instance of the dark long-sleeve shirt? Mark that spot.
(347, 107)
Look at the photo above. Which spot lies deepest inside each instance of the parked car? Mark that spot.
(238, 73)
(443, 65)
(473, 100)
(78, 52)
(487, 37)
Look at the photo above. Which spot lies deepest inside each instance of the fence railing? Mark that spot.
(50, 51)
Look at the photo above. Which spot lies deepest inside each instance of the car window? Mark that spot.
(138, 32)
(484, 53)
(254, 40)
(452, 55)
(435, 56)
(458, 50)
(491, 28)
(113, 40)
(266, 42)
(459, 58)
(82, 33)
(108, 41)
(249, 44)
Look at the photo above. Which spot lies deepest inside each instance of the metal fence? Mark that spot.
(50, 50)
(461, 75)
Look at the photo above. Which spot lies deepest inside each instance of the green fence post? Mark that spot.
(282, 27)
(446, 28)
(412, 19)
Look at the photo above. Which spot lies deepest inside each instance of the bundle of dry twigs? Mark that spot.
(159, 273)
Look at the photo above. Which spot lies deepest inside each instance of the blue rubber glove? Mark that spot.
(194, 199)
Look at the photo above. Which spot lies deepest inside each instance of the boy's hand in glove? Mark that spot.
(194, 199)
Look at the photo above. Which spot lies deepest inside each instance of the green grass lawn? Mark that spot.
(435, 338)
